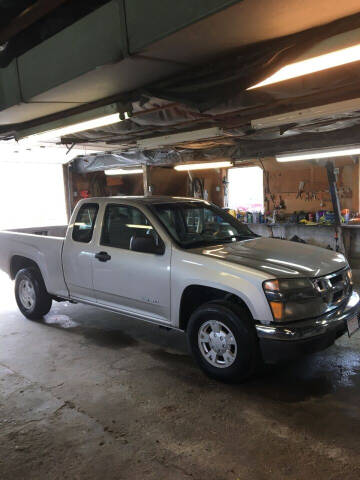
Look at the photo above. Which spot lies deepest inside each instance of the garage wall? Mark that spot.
(284, 179)
(165, 181)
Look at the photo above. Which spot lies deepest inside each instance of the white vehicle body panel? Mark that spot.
(278, 258)
(132, 281)
(45, 251)
(77, 262)
(135, 283)
(189, 269)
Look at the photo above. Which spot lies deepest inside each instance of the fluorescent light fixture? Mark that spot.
(312, 65)
(123, 171)
(307, 114)
(96, 118)
(318, 154)
(158, 142)
(202, 166)
(77, 127)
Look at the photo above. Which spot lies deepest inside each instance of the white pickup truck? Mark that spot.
(186, 264)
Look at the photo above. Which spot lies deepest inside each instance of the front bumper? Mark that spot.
(284, 342)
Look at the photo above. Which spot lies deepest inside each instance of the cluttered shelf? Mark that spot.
(307, 225)
(289, 224)
(320, 218)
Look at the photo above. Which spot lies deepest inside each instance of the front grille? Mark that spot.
(334, 288)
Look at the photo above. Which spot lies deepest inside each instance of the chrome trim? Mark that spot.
(327, 290)
(311, 328)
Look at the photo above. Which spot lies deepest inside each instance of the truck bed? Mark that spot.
(43, 245)
(58, 231)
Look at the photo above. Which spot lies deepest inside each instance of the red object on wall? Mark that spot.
(84, 194)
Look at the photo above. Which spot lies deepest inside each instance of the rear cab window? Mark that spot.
(85, 222)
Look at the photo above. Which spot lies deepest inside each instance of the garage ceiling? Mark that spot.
(242, 24)
(27, 23)
(186, 69)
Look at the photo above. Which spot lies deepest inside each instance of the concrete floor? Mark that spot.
(86, 394)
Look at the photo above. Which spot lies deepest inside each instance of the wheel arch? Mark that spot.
(18, 262)
(196, 294)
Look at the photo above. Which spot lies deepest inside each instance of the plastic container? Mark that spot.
(330, 217)
(346, 214)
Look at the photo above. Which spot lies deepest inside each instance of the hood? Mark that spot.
(278, 258)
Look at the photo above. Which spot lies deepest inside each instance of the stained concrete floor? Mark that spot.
(85, 394)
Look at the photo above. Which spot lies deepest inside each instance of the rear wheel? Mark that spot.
(223, 341)
(31, 296)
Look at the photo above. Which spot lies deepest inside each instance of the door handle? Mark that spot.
(103, 256)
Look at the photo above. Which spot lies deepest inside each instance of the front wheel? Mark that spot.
(223, 341)
(31, 296)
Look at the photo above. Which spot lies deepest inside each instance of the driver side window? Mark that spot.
(122, 223)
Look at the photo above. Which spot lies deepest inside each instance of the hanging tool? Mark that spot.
(300, 189)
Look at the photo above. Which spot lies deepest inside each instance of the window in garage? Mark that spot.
(32, 189)
(246, 189)
(33, 194)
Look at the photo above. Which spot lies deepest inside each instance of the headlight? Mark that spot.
(291, 299)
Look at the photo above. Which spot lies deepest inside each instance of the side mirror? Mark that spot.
(146, 245)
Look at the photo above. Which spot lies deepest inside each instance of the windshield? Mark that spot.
(195, 224)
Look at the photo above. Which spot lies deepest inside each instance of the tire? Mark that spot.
(31, 296)
(223, 341)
